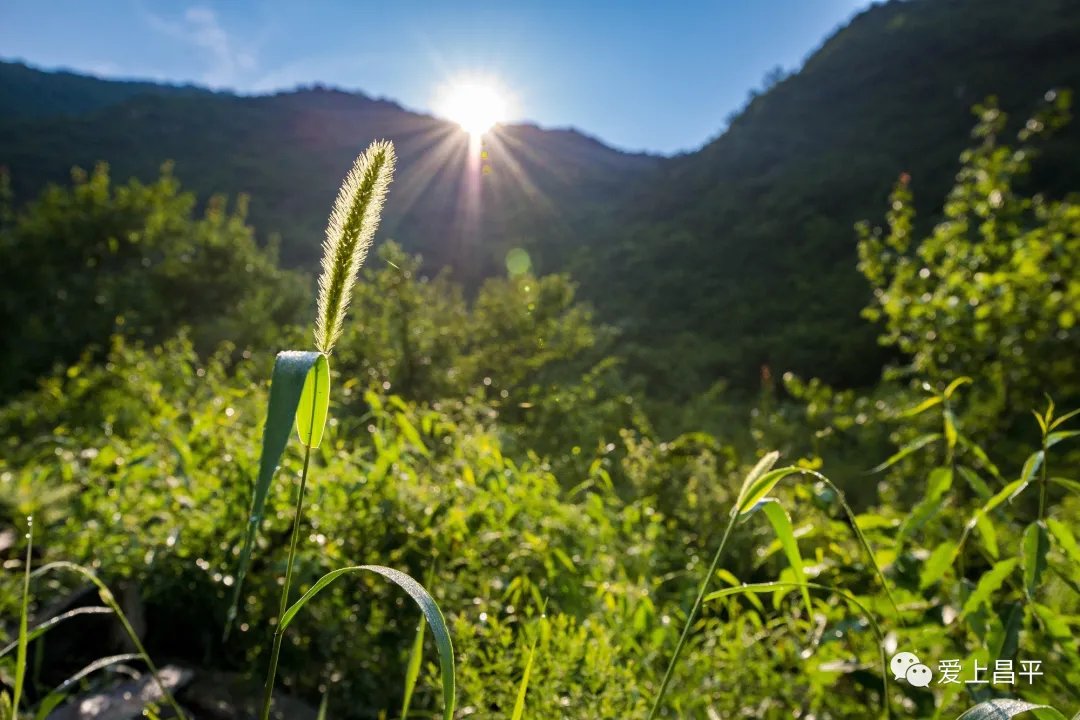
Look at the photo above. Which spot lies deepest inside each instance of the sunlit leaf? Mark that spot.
(1060, 436)
(761, 468)
(1064, 418)
(769, 587)
(781, 524)
(988, 534)
(937, 485)
(903, 452)
(1031, 466)
(923, 406)
(949, 421)
(314, 404)
(952, 387)
(1065, 539)
(291, 370)
(523, 686)
(989, 583)
(935, 566)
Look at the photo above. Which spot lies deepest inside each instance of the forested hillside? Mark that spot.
(288, 152)
(673, 253)
(742, 255)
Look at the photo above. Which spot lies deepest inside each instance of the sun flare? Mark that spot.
(475, 105)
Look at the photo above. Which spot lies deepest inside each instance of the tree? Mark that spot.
(91, 259)
(992, 290)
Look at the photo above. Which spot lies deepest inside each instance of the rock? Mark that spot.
(126, 700)
(230, 696)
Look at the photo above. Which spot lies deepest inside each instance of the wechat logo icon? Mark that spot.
(906, 666)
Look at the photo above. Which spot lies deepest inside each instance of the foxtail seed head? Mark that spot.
(348, 236)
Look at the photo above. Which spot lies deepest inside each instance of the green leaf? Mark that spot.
(937, 485)
(768, 587)
(781, 524)
(423, 599)
(291, 370)
(963, 380)
(314, 403)
(1055, 625)
(935, 566)
(1031, 466)
(975, 482)
(1061, 435)
(1065, 539)
(950, 429)
(1035, 544)
(923, 406)
(1003, 644)
(412, 672)
(22, 639)
(987, 533)
(1066, 483)
(1067, 416)
(979, 454)
(989, 583)
(523, 688)
(1010, 492)
(916, 444)
(1006, 708)
(761, 468)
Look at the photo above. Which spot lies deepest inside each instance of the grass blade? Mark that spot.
(24, 610)
(423, 599)
(923, 406)
(781, 524)
(416, 656)
(1006, 708)
(291, 369)
(42, 628)
(108, 598)
(314, 403)
(763, 466)
(916, 444)
(764, 588)
(523, 688)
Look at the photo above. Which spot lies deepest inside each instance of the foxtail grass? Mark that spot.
(349, 233)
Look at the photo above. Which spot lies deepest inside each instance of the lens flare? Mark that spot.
(475, 105)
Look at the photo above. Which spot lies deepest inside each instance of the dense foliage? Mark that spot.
(492, 447)
(557, 457)
(668, 250)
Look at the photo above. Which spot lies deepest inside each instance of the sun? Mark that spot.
(476, 105)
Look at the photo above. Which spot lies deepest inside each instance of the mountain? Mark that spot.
(742, 254)
(714, 264)
(29, 93)
(458, 207)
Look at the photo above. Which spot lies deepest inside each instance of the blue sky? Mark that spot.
(640, 76)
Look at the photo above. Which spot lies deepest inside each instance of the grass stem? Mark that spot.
(275, 652)
(690, 620)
